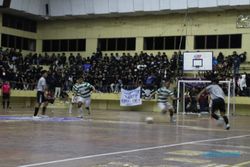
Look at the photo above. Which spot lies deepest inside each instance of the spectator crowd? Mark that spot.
(108, 73)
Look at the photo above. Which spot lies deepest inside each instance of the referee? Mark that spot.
(40, 96)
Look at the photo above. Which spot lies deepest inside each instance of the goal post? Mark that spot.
(181, 90)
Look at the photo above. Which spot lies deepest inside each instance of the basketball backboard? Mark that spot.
(198, 61)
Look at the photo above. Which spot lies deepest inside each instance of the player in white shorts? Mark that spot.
(164, 107)
(83, 92)
(162, 99)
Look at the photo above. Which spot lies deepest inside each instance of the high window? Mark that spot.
(218, 41)
(17, 42)
(164, 43)
(19, 23)
(61, 45)
(116, 44)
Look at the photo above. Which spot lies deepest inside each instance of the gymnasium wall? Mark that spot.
(201, 23)
(211, 23)
(1, 27)
(16, 32)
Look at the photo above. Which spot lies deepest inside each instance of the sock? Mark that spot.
(70, 108)
(215, 116)
(225, 119)
(36, 111)
(44, 110)
(171, 113)
(80, 111)
(87, 108)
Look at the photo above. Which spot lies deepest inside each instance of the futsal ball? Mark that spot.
(149, 120)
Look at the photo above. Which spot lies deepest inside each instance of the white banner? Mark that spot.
(131, 97)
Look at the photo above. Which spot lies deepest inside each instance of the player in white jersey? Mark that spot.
(83, 91)
(218, 103)
(41, 95)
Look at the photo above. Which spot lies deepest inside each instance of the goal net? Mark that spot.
(188, 91)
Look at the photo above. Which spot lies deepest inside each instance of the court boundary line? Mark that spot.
(190, 127)
(132, 151)
(229, 146)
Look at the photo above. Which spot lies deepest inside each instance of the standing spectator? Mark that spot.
(236, 63)
(243, 57)
(6, 95)
(58, 85)
(242, 85)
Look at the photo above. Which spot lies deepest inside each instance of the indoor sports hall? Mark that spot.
(115, 83)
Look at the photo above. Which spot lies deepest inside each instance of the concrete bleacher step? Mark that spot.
(245, 67)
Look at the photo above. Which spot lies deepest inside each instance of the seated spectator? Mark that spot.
(150, 81)
(220, 58)
(87, 66)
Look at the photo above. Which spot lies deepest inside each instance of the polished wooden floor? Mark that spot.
(121, 139)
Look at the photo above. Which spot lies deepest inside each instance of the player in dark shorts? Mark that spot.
(41, 96)
(218, 102)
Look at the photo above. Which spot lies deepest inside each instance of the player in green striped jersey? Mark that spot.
(83, 91)
(162, 99)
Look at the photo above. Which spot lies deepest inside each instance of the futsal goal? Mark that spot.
(188, 91)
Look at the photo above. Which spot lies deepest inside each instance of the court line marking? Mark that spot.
(211, 129)
(131, 151)
(217, 145)
(241, 164)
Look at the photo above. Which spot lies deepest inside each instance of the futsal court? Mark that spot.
(121, 139)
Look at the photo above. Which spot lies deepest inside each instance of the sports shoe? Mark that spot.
(172, 120)
(36, 117)
(227, 127)
(44, 116)
(80, 116)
